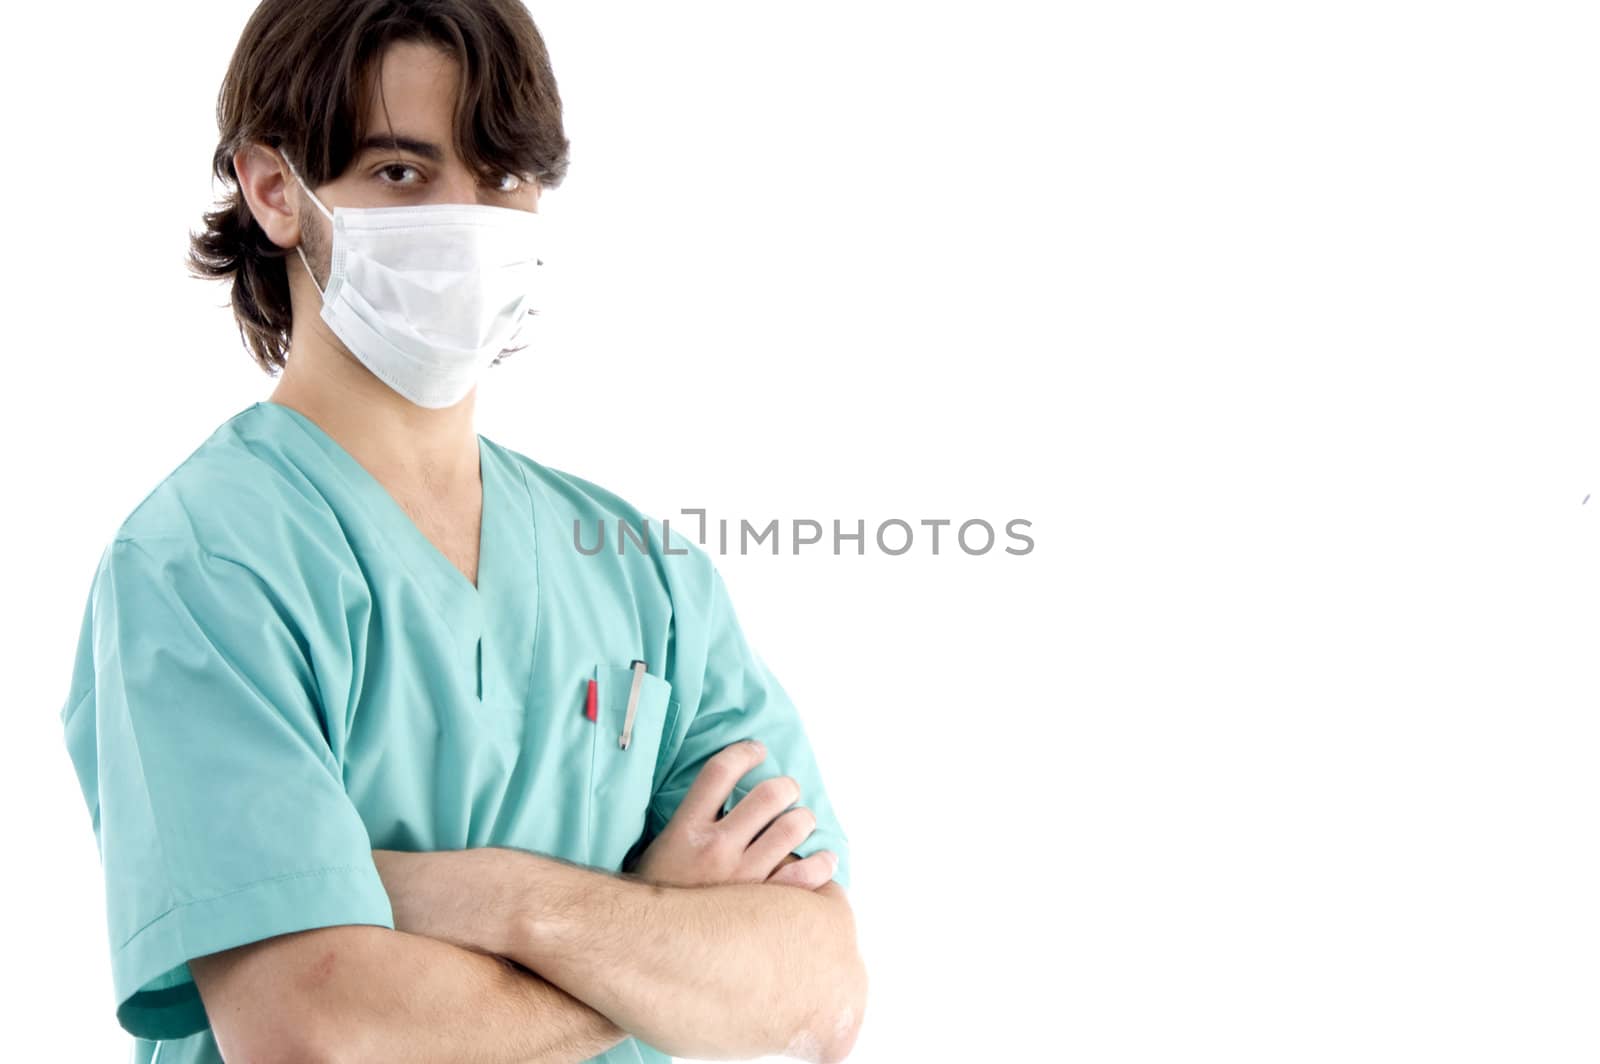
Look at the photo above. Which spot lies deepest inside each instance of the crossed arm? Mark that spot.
(501, 955)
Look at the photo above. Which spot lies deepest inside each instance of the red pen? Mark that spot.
(592, 706)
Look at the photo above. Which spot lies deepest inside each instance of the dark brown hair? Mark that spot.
(301, 80)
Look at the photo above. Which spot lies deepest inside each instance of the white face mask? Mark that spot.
(426, 296)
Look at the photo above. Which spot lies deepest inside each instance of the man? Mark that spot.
(381, 766)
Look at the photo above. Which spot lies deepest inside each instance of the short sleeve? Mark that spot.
(203, 755)
(740, 698)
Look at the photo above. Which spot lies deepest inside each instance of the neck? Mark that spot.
(403, 445)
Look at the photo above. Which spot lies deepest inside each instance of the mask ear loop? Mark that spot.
(320, 207)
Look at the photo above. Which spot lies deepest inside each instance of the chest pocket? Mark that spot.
(620, 779)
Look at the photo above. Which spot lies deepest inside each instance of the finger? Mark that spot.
(808, 872)
(781, 837)
(758, 808)
(715, 780)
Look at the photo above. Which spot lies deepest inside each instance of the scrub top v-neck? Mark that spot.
(278, 672)
(504, 605)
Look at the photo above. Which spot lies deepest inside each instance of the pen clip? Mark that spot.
(633, 703)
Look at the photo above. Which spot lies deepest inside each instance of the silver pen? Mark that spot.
(633, 703)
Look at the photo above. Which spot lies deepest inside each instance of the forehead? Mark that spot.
(414, 93)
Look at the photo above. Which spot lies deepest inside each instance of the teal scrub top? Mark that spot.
(277, 672)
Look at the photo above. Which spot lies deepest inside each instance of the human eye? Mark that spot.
(389, 168)
(516, 180)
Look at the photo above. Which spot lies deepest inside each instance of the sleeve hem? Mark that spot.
(156, 995)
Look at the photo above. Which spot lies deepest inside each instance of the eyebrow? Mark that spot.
(426, 149)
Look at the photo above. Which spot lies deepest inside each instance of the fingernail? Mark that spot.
(756, 745)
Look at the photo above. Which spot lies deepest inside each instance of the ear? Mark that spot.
(270, 192)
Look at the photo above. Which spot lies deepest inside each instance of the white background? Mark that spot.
(1277, 321)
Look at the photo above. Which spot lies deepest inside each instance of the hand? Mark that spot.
(697, 849)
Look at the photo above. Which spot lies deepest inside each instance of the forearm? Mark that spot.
(733, 970)
(408, 999)
(516, 1014)
(461, 1005)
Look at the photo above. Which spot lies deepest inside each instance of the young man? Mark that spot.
(381, 766)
